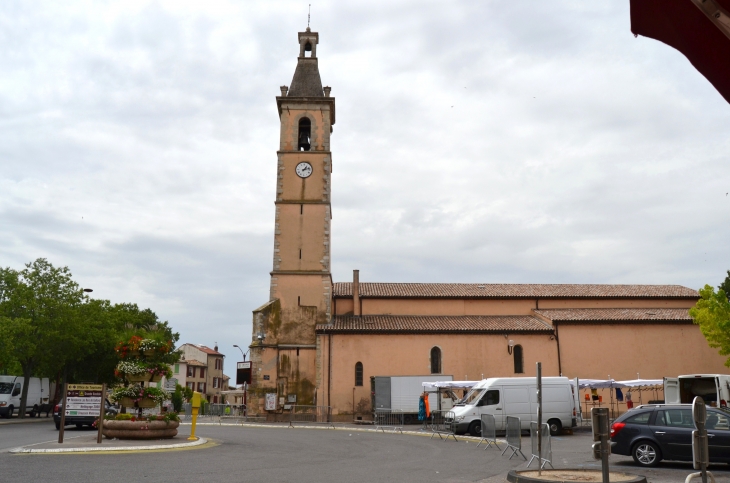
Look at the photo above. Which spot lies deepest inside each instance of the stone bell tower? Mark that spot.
(283, 350)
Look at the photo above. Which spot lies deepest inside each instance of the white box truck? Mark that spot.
(517, 396)
(713, 388)
(401, 393)
(11, 387)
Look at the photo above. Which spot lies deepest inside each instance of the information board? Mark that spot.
(243, 373)
(271, 401)
(84, 400)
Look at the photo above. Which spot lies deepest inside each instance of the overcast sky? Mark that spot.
(522, 142)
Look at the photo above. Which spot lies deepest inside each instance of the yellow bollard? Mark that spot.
(195, 408)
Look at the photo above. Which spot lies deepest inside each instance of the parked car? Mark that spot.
(79, 421)
(651, 433)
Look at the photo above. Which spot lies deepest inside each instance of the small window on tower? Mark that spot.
(305, 134)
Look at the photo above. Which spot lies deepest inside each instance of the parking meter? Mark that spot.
(601, 447)
(700, 451)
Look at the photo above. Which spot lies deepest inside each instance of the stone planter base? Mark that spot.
(140, 429)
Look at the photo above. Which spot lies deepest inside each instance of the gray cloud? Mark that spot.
(475, 141)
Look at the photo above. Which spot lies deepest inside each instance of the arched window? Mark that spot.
(305, 134)
(517, 354)
(435, 360)
(358, 374)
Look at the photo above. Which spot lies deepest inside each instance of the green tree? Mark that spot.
(712, 314)
(40, 302)
(725, 285)
(177, 398)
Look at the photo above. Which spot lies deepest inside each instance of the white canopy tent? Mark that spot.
(449, 385)
(612, 383)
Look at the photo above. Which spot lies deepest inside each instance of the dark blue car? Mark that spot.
(652, 433)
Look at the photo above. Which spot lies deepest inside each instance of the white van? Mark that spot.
(713, 388)
(517, 396)
(11, 388)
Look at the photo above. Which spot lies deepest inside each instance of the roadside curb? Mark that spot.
(88, 449)
(467, 439)
(25, 420)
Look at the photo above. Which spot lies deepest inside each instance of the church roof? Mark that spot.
(444, 324)
(306, 81)
(618, 316)
(511, 290)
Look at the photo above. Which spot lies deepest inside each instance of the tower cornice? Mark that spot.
(282, 101)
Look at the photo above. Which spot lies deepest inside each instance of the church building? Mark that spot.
(316, 342)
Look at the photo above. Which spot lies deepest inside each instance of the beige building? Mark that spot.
(315, 342)
(201, 369)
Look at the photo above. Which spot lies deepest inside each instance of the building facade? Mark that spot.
(201, 369)
(315, 342)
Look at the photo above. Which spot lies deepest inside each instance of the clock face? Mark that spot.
(304, 170)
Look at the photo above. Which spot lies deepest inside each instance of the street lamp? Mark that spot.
(244, 355)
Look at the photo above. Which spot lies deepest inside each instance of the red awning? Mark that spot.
(701, 37)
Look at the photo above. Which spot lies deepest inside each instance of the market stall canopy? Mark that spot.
(611, 383)
(449, 385)
(700, 29)
(596, 383)
(642, 383)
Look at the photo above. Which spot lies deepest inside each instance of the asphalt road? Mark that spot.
(302, 455)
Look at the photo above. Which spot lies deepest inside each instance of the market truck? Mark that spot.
(517, 396)
(401, 394)
(11, 388)
(713, 388)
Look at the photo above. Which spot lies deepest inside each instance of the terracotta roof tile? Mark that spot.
(507, 290)
(399, 324)
(207, 350)
(578, 316)
(193, 362)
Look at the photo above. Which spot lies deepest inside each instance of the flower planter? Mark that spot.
(156, 378)
(142, 403)
(143, 377)
(149, 353)
(140, 429)
(146, 402)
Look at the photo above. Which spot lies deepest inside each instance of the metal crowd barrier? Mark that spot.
(310, 414)
(385, 418)
(547, 450)
(489, 431)
(443, 423)
(514, 437)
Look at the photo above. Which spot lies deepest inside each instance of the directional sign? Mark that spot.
(84, 399)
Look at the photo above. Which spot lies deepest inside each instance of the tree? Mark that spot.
(712, 314)
(40, 301)
(725, 285)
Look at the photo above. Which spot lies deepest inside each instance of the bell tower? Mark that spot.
(284, 349)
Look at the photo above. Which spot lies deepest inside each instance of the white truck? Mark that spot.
(11, 387)
(713, 388)
(401, 394)
(517, 396)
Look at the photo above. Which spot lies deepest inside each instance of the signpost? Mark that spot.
(539, 418)
(83, 400)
